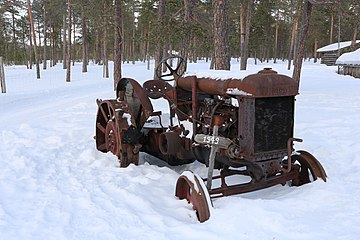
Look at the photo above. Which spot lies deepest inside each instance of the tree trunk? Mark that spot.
(45, 39)
(118, 42)
(242, 31)
(105, 52)
(160, 43)
(147, 49)
(302, 40)
(2, 76)
(293, 34)
(296, 42)
(74, 41)
(84, 40)
(106, 62)
(68, 63)
(276, 36)
(39, 32)
(97, 52)
(132, 52)
(339, 36)
(53, 46)
(14, 36)
(315, 48)
(144, 45)
(24, 46)
(30, 51)
(221, 36)
(64, 41)
(244, 54)
(57, 42)
(188, 19)
(353, 42)
(212, 62)
(292, 42)
(133, 57)
(34, 39)
(331, 28)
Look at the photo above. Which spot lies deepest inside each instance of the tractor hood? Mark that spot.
(266, 83)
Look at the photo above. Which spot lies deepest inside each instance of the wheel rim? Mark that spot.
(310, 169)
(109, 130)
(188, 187)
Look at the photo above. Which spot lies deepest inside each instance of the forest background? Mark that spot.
(49, 32)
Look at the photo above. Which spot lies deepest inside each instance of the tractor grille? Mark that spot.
(274, 123)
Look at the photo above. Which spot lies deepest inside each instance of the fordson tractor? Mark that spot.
(234, 126)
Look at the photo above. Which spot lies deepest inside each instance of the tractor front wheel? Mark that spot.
(191, 187)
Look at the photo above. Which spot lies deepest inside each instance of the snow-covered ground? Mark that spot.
(54, 184)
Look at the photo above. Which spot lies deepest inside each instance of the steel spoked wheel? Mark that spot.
(192, 188)
(310, 169)
(107, 133)
(109, 130)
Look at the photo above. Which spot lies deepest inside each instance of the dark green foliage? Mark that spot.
(141, 30)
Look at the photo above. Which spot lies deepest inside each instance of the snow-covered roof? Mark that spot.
(349, 58)
(335, 46)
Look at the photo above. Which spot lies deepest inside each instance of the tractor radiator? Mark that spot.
(274, 123)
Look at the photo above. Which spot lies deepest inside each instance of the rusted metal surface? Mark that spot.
(266, 83)
(226, 190)
(171, 146)
(113, 124)
(309, 166)
(288, 163)
(189, 187)
(194, 103)
(246, 126)
(171, 68)
(157, 88)
(133, 94)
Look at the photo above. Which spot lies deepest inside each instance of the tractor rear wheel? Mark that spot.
(110, 129)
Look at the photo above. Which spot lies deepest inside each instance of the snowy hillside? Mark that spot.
(54, 184)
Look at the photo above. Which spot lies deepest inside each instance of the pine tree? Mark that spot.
(31, 20)
(118, 42)
(221, 36)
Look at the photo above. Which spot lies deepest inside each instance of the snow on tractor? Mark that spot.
(238, 126)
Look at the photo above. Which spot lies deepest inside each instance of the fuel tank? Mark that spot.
(266, 83)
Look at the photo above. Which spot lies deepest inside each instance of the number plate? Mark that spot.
(217, 141)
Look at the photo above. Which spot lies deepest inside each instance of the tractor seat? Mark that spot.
(155, 89)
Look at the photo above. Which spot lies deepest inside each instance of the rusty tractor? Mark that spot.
(233, 126)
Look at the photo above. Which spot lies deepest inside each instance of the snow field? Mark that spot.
(54, 184)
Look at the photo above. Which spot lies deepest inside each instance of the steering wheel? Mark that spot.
(171, 72)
